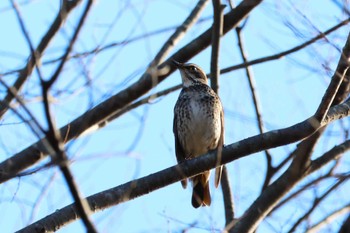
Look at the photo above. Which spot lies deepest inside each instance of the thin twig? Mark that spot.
(304, 188)
(315, 203)
(179, 33)
(250, 77)
(54, 137)
(329, 218)
(66, 8)
(170, 43)
(228, 199)
(330, 94)
(146, 100)
(32, 123)
(25, 33)
(103, 48)
(286, 52)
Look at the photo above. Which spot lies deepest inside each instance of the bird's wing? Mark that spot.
(218, 170)
(180, 155)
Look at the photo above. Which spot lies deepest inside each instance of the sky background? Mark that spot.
(141, 142)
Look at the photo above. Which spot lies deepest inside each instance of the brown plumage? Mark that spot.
(198, 127)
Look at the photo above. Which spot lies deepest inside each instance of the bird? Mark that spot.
(198, 127)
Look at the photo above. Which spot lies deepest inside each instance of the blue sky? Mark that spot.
(141, 142)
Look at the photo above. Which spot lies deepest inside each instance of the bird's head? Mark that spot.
(191, 74)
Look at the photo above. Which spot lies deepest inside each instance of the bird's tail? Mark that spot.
(201, 192)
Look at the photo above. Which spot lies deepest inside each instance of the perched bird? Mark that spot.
(198, 127)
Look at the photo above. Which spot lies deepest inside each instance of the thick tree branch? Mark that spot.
(147, 184)
(33, 154)
(345, 228)
(300, 164)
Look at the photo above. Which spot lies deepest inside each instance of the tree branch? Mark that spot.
(66, 8)
(58, 155)
(286, 52)
(214, 83)
(250, 77)
(33, 154)
(331, 217)
(300, 164)
(316, 202)
(189, 168)
(346, 225)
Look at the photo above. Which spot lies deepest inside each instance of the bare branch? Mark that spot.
(228, 199)
(214, 82)
(33, 154)
(300, 164)
(287, 52)
(331, 92)
(301, 190)
(316, 202)
(215, 44)
(54, 137)
(179, 33)
(330, 155)
(328, 219)
(146, 100)
(66, 8)
(250, 77)
(346, 226)
(189, 168)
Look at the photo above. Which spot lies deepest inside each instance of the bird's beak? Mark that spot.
(177, 64)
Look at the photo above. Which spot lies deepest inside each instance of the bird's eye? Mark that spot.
(193, 68)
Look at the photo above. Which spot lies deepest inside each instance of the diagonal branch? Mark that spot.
(66, 8)
(331, 92)
(168, 45)
(331, 217)
(189, 168)
(33, 154)
(300, 164)
(179, 33)
(286, 52)
(316, 202)
(249, 73)
(346, 225)
(59, 155)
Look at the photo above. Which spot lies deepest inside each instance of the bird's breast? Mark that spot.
(199, 127)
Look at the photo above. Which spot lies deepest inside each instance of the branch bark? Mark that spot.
(189, 168)
(34, 153)
(301, 162)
